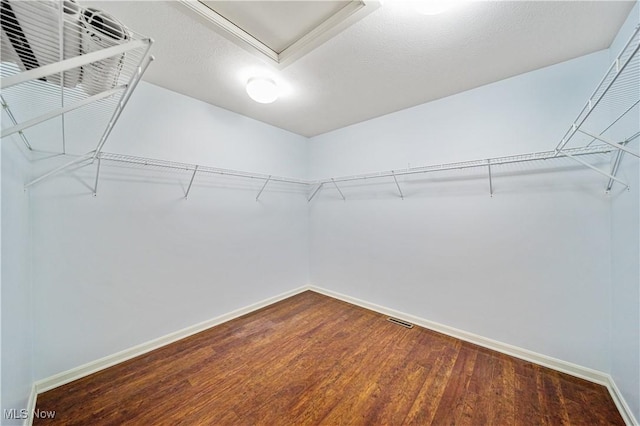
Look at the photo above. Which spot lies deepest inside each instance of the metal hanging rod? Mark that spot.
(152, 162)
(521, 158)
(318, 184)
(57, 67)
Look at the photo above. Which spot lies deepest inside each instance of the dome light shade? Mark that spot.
(262, 90)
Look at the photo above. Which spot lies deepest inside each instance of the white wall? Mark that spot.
(625, 249)
(16, 296)
(529, 267)
(138, 260)
(526, 113)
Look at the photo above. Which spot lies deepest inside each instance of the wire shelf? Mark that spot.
(150, 162)
(615, 100)
(58, 57)
(74, 70)
(484, 163)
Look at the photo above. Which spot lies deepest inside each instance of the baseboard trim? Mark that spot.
(116, 358)
(31, 405)
(525, 354)
(621, 403)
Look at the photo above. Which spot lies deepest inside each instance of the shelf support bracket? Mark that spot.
(65, 166)
(490, 177)
(315, 192)
(398, 185)
(6, 108)
(191, 182)
(336, 185)
(263, 187)
(619, 146)
(617, 161)
(131, 85)
(614, 169)
(59, 111)
(95, 186)
(592, 167)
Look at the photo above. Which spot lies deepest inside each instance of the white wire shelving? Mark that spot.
(489, 164)
(596, 130)
(58, 57)
(314, 186)
(614, 100)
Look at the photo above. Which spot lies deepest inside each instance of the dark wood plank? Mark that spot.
(312, 359)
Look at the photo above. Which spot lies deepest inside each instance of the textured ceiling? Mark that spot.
(390, 60)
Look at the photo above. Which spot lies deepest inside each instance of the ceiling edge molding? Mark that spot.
(345, 17)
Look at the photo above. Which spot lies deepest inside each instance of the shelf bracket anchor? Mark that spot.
(613, 144)
(490, 178)
(263, 187)
(95, 187)
(314, 193)
(592, 167)
(336, 185)
(398, 185)
(191, 182)
(6, 108)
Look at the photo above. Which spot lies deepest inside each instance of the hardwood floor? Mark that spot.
(312, 359)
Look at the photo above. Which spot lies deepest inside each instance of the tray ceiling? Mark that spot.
(272, 23)
(389, 60)
(280, 31)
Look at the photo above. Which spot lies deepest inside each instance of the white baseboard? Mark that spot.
(116, 358)
(525, 354)
(31, 405)
(621, 403)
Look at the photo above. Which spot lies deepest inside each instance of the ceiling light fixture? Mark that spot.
(433, 7)
(262, 90)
